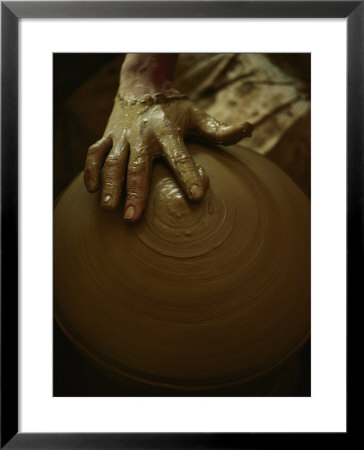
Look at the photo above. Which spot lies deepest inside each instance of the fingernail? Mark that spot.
(193, 189)
(196, 191)
(107, 200)
(129, 214)
(90, 183)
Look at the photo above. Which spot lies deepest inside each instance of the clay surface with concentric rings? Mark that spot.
(195, 294)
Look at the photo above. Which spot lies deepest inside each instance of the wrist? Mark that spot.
(147, 74)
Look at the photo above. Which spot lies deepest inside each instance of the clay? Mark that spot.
(151, 119)
(194, 295)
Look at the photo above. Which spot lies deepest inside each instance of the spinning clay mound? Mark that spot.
(195, 295)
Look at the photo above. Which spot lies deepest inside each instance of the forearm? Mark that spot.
(147, 73)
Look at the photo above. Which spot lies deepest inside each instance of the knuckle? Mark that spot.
(135, 194)
(109, 185)
(221, 132)
(92, 150)
(136, 185)
(91, 167)
(112, 160)
(184, 164)
(138, 163)
(182, 159)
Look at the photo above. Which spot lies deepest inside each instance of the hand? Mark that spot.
(139, 131)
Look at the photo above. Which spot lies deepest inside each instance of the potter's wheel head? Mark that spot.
(196, 294)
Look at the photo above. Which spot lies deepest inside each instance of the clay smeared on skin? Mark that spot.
(150, 119)
(196, 293)
(149, 130)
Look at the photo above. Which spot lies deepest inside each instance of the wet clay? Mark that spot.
(195, 294)
(142, 129)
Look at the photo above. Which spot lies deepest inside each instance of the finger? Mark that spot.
(113, 175)
(94, 161)
(216, 131)
(183, 165)
(137, 183)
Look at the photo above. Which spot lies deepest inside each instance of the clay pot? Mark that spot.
(196, 295)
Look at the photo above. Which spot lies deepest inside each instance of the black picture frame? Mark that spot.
(11, 12)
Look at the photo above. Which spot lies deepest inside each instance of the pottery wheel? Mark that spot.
(196, 294)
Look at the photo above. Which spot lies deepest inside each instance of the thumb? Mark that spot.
(217, 132)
